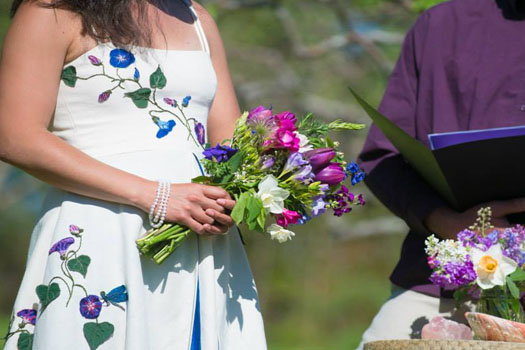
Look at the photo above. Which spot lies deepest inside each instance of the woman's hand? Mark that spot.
(203, 209)
(447, 223)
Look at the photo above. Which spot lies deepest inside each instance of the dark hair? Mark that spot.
(123, 22)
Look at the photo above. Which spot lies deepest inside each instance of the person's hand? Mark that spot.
(447, 223)
(203, 209)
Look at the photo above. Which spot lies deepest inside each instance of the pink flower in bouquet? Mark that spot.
(319, 158)
(259, 113)
(288, 217)
(286, 120)
(283, 138)
(332, 174)
(261, 121)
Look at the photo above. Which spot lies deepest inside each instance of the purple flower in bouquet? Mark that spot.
(288, 217)
(318, 206)
(220, 153)
(304, 175)
(294, 161)
(90, 307)
(467, 238)
(320, 157)
(489, 240)
(454, 274)
(62, 246)
(200, 132)
(361, 200)
(340, 201)
(332, 174)
(28, 316)
(267, 162)
(261, 121)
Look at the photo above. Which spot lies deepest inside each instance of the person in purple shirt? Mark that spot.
(462, 67)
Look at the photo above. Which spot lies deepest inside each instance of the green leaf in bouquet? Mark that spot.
(514, 290)
(201, 180)
(239, 209)
(254, 207)
(261, 220)
(460, 295)
(140, 97)
(517, 276)
(339, 125)
(235, 162)
(157, 79)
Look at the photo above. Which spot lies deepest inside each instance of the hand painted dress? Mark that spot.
(86, 286)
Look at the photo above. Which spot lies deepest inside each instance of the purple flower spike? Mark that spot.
(62, 246)
(295, 161)
(319, 158)
(28, 316)
(268, 163)
(90, 307)
(170, 101)
(333, 174)
(200, 132)
(103, 97)
(94, 60)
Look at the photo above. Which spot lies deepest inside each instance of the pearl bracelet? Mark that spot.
(156, 218)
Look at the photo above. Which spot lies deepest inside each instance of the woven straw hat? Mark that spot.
(429, 344)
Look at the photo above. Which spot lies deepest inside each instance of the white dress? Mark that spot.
(86, 287)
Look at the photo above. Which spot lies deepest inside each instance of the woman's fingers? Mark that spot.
(226, 203)
(220, 218)
(215, 192)
(199, 215)
(503, 208)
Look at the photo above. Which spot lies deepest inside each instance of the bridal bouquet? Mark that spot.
(278, 168)
(484, 264)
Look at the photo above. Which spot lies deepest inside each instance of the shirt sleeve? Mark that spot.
(389, 176)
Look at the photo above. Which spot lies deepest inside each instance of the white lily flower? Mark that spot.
(271, 195)
(492, 267)
(304, 143)
(280, 233)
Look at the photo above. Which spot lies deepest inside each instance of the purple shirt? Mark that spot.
(462, 67)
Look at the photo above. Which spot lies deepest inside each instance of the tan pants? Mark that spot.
(406, 312)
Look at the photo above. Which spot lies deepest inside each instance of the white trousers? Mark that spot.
(406, 312)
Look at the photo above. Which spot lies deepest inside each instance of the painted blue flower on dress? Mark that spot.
(164, 127)
(186, 101)
(90, 307)
(200, 132)
(62, 246)
(120, 58)
(136, 75)
(28, 316)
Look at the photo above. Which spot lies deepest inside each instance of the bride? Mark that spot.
(111, 103)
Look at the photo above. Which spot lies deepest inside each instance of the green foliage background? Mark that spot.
(321, 290)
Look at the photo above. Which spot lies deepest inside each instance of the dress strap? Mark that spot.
(198, 27)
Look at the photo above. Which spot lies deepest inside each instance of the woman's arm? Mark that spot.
(225, 109)
(34, 52)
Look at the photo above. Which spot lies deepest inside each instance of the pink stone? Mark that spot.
(488, 327)
(441, 328)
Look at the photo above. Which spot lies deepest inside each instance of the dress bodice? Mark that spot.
(113, 101)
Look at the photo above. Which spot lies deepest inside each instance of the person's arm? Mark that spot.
(33, 56)
(393, 180)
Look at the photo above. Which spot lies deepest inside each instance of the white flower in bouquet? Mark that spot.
(491, 266)
(280, 233)
(271, 195)
(304, 143)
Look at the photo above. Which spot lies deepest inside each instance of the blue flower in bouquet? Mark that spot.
(357, 178)
(165, 127)
(304, 219)
(220, 153)
(90, 307)
(186, 101)
(120, 58)
(353, 168)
